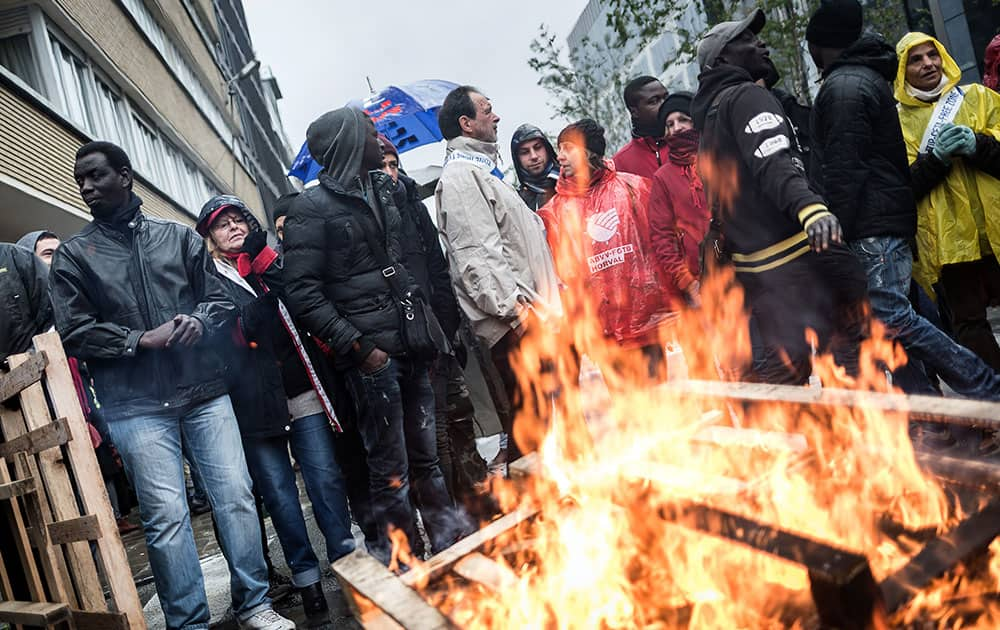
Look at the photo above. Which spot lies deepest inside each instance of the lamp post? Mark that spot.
(244, 72)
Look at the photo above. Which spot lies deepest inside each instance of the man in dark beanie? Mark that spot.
(861, 167)
(598, 231)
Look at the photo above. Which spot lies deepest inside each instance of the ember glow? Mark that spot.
(607, 550)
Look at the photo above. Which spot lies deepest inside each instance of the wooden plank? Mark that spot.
(94, 496)
(17, 488)
(33, 613)
(24, 374)
(87, 620)
(476, 567)
(48, 436)
(970, 537)
(372, 580)
(18, 528)
(84, 528)
(62, 497)
(957, 411)
(442, 562)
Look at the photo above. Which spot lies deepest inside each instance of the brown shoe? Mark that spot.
(125, 526)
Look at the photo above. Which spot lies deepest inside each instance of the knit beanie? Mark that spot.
(388, 146)
(676, 102)
(835, 24)
(589, 131)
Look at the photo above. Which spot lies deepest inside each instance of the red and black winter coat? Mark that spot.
(678, 220)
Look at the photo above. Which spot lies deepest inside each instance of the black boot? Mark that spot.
(313, 599)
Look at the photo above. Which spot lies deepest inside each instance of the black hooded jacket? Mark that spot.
(333, 280)
(752, 169)
(860, 162)
(423, 255)
(25, 310)
(118, 278)
(535, 190)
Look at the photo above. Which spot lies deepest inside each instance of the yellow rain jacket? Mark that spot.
(961, 213)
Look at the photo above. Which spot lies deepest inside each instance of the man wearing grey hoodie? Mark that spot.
(42, 242)
(339, 289)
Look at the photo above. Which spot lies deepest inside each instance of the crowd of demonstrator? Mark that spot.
(338, 352)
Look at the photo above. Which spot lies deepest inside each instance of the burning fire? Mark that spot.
(604, 552)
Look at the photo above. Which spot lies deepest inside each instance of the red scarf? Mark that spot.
(684, 153)
(243, 263)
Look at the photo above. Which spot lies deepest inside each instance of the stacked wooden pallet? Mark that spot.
(66, 566)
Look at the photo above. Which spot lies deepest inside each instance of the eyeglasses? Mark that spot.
(228, 223)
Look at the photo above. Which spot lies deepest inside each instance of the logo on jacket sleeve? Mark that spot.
(772, 145)
(603, 226)
(763, 122)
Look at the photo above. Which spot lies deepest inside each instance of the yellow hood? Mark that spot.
(951, 70)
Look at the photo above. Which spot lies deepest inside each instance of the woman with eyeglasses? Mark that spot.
(276, 375)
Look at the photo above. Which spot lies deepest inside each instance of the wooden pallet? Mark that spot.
(67, 567)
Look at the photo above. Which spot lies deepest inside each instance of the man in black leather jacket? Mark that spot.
(134, 296)
(340, 291)
(864, 175)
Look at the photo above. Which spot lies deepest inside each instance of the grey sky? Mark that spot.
(321, 50)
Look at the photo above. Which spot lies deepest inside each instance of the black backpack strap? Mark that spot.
(389, 268)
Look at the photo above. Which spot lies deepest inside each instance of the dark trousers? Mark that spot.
(968, 289)
(823, 292)
(397, 426)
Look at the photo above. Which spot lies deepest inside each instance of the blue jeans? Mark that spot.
(396, 420)
(311, 439)
(888, 263)
(150, 447)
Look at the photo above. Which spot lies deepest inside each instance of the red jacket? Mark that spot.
(641, 156)
(678, 220)
(991, 63)
(599, 238)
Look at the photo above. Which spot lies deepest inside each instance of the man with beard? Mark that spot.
(952, 135)
(535, 165)
(784, 243)
(135, 296)
(865, 178)
(646, 152)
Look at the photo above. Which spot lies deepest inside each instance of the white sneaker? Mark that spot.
(267, 620)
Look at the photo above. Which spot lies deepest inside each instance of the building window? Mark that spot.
(16, 55)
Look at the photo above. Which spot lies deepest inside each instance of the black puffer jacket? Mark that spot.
(110, 283)
(333, 280)
(423, 255)
(752, 169)
(25, 309)
(860, 163)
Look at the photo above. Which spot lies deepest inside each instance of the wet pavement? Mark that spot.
(217, 575)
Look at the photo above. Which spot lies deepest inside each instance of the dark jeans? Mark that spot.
(519, 397)
(968, 289)
(397, 425)
(311, 441)
(889, 264)
(823, 292)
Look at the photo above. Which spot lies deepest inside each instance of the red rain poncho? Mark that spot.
(599, 236)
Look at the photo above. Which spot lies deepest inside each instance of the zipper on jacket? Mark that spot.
(144, 290)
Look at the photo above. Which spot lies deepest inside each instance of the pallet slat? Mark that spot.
(17, 488)
(85, 528)
(37, 440)
(22, 375)
(366, 575)
(33, 613)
